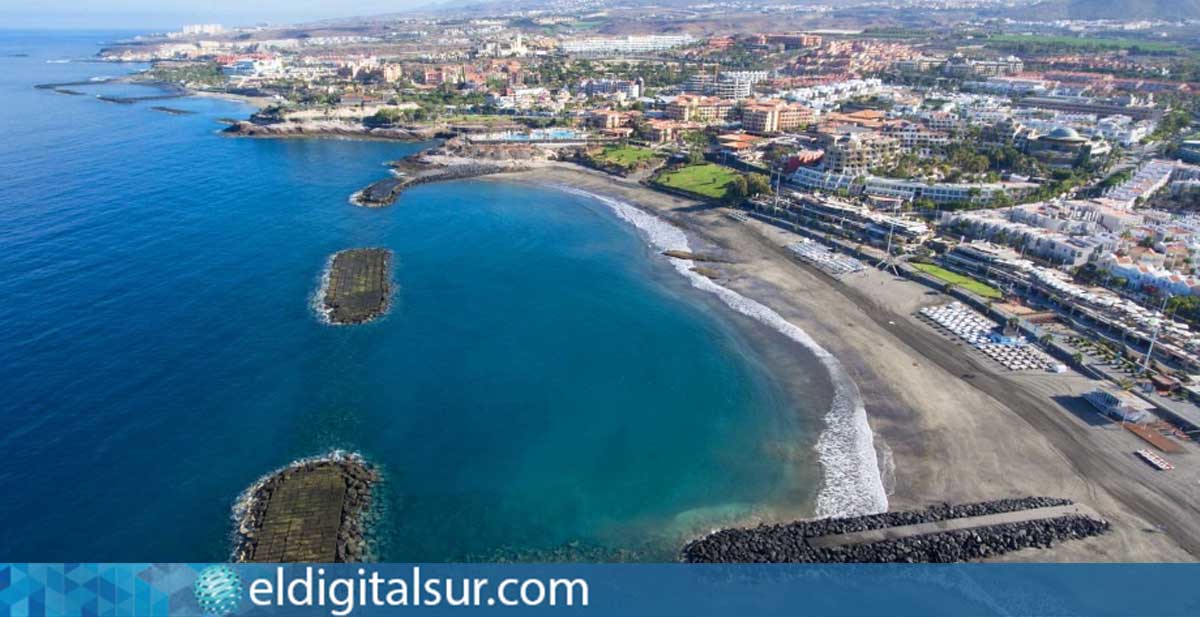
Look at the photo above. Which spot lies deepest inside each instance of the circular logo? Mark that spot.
(218, 590)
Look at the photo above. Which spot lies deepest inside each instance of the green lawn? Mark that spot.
(966, 282)
(706, 179)
(1072, 42)
(625, 156)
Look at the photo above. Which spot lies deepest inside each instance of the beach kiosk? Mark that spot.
(1122, 406)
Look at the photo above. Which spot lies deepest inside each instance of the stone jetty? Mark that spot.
(312, 510)
(938, 534)
(174, 111)
(358, 286)
(65, 84)
(384, 192)
(381, 193)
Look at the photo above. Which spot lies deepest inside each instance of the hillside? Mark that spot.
(1115, 9)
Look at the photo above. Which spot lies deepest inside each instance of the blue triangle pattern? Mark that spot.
(78, 590)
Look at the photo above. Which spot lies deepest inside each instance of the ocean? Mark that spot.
(545, 385)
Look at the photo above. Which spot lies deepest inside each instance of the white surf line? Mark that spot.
(317, 301)
(846, 448)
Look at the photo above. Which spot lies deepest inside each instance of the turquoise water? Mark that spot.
(543, 380)
(555, 134)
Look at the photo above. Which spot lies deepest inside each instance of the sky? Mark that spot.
(170, 14)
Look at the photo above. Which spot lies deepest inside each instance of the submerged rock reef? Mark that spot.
(938, 534)
(312, 510)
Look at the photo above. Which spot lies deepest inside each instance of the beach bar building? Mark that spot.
(1120, 405)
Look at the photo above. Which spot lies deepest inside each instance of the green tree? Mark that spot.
(758, 184)
(737, 191)
(386, 116)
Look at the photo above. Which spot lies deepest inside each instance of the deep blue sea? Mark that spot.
(545, 385)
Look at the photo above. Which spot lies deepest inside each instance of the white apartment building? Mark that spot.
(616, 46)
(1050, 245)
(907, 190)
(828, 96)
(943, 192)
(733, 85)
(207, 29)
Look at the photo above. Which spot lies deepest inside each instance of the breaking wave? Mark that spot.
(317, 301)
(853, 484)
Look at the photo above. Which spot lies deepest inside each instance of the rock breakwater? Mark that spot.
(384, 192)
(312, 510)
(357, 286)
(938, 534)
(173, 111)
(690, 256)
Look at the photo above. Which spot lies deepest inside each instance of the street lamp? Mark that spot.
(1154, 336)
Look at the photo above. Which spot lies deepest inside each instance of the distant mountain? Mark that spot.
(1116, 9)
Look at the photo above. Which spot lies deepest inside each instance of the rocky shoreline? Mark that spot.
(348, 540)
(801, 542)
(453, 160)
(246, 128)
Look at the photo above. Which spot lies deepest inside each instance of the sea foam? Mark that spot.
(853, 483)
(316, 301)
